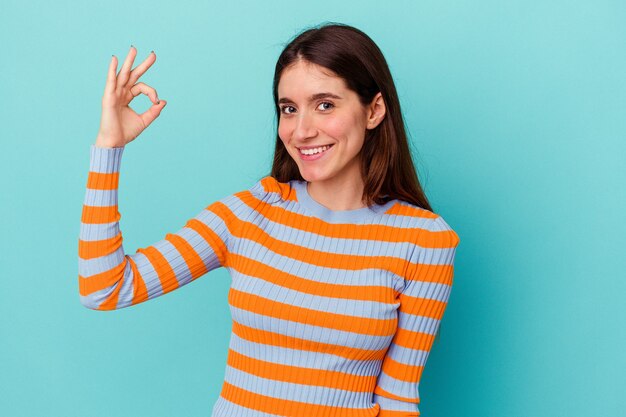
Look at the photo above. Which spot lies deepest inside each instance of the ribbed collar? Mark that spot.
(359, 215)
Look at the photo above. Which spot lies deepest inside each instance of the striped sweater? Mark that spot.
(333, 313)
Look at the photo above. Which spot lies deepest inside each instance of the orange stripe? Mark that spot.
(140, 291)
(100, 214)
(164, 270)
(212, 238)
(279, 406)
(276, 339)
(296, 252)
(324, 258)
(90, 249)
(111, 302)
(422, 306)
(102, 181)
(413, 340)
(271, 185)
(192, 259)
(299, 375)
(379, 232)
(401, 371)
(410, 211)
(97, 282)
(270, 308)
(169, 282)
(378, 390)
(391, 413)
(252, 267)
(441, 274)
(436, 239)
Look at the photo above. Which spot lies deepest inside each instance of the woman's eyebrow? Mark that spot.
(314, 97)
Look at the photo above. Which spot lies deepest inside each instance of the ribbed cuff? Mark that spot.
(105, 160)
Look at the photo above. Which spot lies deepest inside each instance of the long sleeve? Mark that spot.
(423, 300)
(109, 279)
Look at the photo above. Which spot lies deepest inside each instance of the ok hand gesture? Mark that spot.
(119, 124)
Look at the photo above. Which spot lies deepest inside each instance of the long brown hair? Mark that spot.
(386, 164)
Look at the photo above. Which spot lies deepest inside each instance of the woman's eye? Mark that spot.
(327, 102)
(283, 108)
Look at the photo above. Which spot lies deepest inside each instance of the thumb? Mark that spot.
(152, 113)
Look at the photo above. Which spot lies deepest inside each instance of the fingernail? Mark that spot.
(152, 52)
(158, 101)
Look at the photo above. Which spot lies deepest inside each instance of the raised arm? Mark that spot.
(110, 279)
(422, 304)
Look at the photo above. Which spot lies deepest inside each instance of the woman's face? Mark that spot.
(316, 109)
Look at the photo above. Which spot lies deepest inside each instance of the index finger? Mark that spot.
(111, 79)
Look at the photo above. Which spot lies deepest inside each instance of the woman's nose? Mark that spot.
(305, 126)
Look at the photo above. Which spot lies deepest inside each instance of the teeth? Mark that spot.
(314, 150)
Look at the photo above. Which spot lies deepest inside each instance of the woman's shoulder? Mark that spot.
(427, 223)
(269, 186)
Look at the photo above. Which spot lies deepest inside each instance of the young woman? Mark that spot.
(341, 272)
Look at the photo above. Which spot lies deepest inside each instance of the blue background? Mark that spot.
(518, 113)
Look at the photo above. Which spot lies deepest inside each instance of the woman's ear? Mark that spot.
(376, 111)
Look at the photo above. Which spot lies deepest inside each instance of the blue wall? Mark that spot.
(516, 109)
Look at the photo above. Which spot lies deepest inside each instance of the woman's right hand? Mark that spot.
(119, 124)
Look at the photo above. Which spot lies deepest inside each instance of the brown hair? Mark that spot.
(387, 167)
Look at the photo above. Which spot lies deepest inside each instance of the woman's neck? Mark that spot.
(337, 195)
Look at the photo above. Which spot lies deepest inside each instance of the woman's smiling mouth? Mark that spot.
(313, 153)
